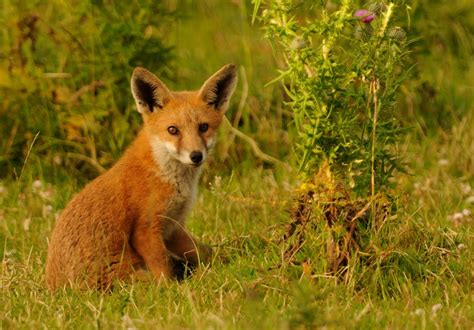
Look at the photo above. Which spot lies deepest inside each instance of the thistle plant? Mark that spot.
(344, 65)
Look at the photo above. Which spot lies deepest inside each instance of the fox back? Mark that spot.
(131, 220)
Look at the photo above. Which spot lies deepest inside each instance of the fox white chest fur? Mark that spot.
(184, 180)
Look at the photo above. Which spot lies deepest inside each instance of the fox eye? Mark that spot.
(203, 127)
(173, 130)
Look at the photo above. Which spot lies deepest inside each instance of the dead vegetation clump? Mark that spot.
(324, 208)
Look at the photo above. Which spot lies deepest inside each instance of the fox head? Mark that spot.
(182, 125)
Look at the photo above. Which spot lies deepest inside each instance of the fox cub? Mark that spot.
(132, 218)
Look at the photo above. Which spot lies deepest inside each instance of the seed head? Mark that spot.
(297, 43)
(397, 33)
(377, 7)
(363, 32)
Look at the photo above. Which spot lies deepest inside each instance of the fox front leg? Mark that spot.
(185, 246)
(149, 244)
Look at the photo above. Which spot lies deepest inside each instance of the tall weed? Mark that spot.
(344, 66)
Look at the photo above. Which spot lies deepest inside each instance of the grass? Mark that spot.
(242, 208)
(242, 215)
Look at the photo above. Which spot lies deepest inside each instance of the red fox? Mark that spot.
(132, 218)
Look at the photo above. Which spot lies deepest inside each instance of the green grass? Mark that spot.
(243, 202)
(242, 215)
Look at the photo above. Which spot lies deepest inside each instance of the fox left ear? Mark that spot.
(218, 89)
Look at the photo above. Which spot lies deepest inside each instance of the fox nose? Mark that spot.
(196, 157)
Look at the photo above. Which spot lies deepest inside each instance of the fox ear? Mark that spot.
(218, 89)
(149, 92)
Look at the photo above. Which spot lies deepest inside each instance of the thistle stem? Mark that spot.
(374, 87)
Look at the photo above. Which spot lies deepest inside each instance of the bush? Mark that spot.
(63, 74)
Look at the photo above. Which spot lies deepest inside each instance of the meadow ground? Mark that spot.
(242, 209)
(241, 214)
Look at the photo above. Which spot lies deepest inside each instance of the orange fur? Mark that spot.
(132, 217)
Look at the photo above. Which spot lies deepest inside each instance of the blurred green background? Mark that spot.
(65, 68)
(64, 77)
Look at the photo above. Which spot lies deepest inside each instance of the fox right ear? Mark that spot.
(149, 92)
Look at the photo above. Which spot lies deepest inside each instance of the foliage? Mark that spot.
(64, 75)
(342, 75)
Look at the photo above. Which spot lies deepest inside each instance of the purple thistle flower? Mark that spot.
(365, 16)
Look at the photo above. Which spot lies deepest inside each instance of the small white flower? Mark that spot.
(461, 247)
(37, 184)
(443, 162)
(419, 311)
(47, 209)
(128, 323)
(57, 160)
(436, 308)
(465, 188)
(26, 224)
(470, 200)
(458, 216)
(466, 212)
